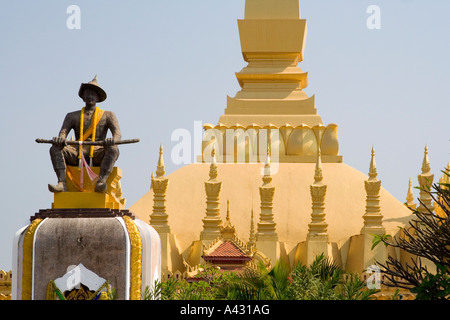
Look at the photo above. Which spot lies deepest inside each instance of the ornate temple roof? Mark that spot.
(227, 250)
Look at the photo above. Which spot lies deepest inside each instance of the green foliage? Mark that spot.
(434, 286)
(112, 294)
(322, 280)
(377, 239)
(427, 239)
(152, 293)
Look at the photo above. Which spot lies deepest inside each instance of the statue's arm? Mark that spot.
(66, 127)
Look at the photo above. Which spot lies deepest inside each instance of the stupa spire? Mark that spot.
(266, 225)
(213, 167)
(267, 178)
(159, 219)
(272, 37)
(228, 231)
(318, 174)
(410, 196)
(160, 169)
(426, 162)
(372, 217)
(425, 181)
(252, 238)
(212, 222)
(318, 225)
(373, 167)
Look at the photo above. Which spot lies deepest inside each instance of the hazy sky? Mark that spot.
(166, 64)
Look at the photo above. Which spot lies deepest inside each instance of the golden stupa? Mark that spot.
(270, 182)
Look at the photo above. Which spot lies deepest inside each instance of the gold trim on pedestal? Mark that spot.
(135, 259)
(27, 263)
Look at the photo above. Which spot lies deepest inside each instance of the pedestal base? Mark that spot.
(67, 200)
(116, 247)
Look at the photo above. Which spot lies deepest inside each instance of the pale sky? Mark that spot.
(167, 64)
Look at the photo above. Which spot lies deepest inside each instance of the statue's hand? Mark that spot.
(59, 142)
(109, 142)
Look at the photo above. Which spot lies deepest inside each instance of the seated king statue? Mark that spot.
(89, 124)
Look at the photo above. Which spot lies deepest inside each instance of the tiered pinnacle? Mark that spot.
(410, 197)
(228, 231)
(212, 222)
(252, 239)
(425, 182)
(266, 225)
(272, 42)
(271, 104)
(373, 218)
(159, 219)
(318, 225)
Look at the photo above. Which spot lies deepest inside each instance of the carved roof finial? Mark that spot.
(228, 230)
(410, 196)
(160, 170)
(426, 162)
(267, 178)
(318, 174)
(373, 166)
(252, 238)
(213, 168)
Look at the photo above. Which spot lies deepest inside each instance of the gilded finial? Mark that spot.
(410, 193)
(373, 166)
(426, 162)
(160, 170)
(267, 178)
(228, 230)
(318, 174)
(252, 238)
(410, 196)
(213, 168)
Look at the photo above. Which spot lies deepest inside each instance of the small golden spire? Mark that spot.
(152, 178)
(213, 168)
(373, 167)
(228, 230)
(426, 162)
(410, 196)
(318, 174)
(160, 168)
(252, 238)
(267, 178)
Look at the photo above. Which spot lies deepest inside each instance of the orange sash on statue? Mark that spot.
(89, 130)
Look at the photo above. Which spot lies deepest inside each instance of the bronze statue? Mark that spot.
(90, 124)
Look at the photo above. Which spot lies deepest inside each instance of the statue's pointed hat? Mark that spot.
(93, 85)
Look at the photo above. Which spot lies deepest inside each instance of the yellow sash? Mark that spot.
(98, 113)
(94, 122)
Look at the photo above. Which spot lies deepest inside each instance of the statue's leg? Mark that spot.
(61, 156)
(105, 157)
